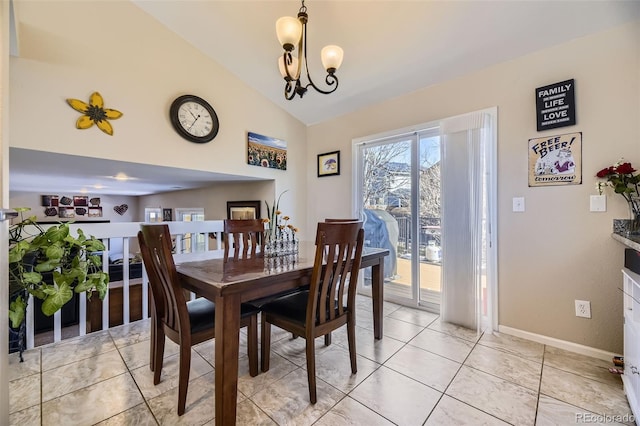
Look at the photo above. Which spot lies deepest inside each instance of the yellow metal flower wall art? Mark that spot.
(94, 113)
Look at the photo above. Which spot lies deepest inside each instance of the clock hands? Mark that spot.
(194, 121)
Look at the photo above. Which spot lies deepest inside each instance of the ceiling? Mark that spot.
(390, 48)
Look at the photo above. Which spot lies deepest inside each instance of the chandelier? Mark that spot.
(292, 35)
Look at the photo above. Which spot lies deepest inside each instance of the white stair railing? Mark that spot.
(128, 232)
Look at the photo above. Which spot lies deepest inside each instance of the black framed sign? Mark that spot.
(556, 105)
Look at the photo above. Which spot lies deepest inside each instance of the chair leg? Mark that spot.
(351, 336)
(158, 354)
(311, 369)
(266, 344)
(183, 375)
(327, 339)
(252, 345)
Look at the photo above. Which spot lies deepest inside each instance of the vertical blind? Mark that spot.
(466, 147)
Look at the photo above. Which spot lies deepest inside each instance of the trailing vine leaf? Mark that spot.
(17, 311)
(56, 298)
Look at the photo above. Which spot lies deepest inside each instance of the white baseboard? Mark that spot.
(557, 343)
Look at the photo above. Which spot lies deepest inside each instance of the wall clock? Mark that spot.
(194, 119)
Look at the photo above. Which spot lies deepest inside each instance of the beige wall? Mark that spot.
(556, 251)
(70, 49)
(213, 199)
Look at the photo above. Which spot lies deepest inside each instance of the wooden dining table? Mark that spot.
(229, 283)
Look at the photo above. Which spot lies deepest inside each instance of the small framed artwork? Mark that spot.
(329, 164)
(49, 200)
(167, 215)
(66, 212)
(95, 211)
(265, 151)
(243, 209)
(80, 200)
(555, 160)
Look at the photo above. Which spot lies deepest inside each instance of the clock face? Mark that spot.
(194, 119)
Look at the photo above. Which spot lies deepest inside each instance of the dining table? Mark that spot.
(229, 282)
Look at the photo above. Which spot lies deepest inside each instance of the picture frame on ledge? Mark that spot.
(329, 164)
(243, 209)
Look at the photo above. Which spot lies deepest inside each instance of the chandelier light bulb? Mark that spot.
(289, 32)
(294, 70)
(331, 57)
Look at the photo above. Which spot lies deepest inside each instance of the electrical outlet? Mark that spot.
(583, 308)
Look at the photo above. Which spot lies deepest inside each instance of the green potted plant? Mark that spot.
(51, 264)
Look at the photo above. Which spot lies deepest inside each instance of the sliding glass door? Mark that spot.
(428, 196)
(399, 183)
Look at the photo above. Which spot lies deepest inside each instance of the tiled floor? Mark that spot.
(422, 372)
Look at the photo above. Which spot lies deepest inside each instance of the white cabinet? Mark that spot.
(631, 376)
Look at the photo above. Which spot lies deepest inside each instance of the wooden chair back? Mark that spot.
(329, 220)
(335, 272)
(247, 236)
(169, 301)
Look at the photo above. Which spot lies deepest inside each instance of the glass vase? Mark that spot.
(634, 216)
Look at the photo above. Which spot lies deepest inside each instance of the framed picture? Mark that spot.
(95, 211)
(80, 201)
(265, 151)
(243, 209)
(66, 212)
(329, 164)
(49, 200)
(167, 215)
(555, 160)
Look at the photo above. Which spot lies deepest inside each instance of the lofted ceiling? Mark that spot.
(391, 48)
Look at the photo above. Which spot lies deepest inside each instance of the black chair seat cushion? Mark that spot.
(202, 313)
(292, 306)
(259, 303)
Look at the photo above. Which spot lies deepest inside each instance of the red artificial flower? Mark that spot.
(625, 169)
(605, 172)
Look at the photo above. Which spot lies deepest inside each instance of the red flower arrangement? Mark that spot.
(622, 179)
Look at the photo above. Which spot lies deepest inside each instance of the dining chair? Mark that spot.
(327, 337)
(321, 309)
(247, 236)
(185, 323)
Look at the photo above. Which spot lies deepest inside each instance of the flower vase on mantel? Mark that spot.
(634, 216)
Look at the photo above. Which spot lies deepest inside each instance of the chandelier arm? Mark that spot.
(289, 90)
(287, 58)
(330, 79)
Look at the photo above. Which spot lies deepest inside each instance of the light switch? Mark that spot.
(598, 203)
(518, 204)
